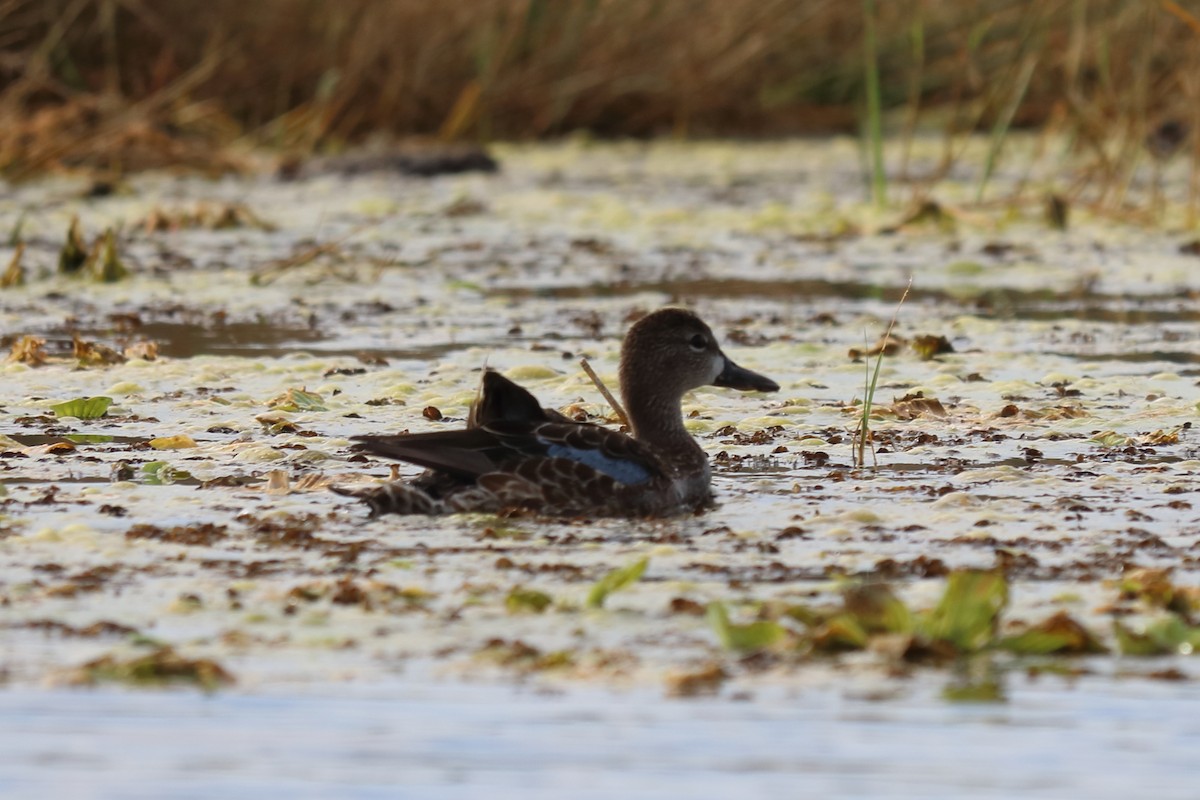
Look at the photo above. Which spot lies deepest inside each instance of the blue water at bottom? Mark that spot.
(431, 739)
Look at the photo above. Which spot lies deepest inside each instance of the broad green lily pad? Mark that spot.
(83, 407)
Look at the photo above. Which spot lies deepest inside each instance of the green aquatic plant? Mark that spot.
(615, 581)
(746, 637)
(83, 407)
(161, 473)
(527, 600)
(1169, 634)
(160, 667)
(965, 622)
(1056, 635)
(874, 127)
(107, 266)
(969, 612)
(862, 434)
(73, 254)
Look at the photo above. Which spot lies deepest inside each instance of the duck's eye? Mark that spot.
(698, 343)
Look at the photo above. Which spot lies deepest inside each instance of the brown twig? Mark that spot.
(612, 401)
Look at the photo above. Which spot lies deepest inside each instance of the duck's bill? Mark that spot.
(735, 377)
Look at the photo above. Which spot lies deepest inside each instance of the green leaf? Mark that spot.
(810, 617)
(840, 633)
(1059, 634)
(614, 581)
(742, 638)
(1136, 644)
(876, 609)
(520, 600)
(108, 267)
(160, 473)
(82, 407)
(74, 253)
(1166, 635)
(967, 615)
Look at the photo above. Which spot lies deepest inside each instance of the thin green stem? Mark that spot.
(874, 103)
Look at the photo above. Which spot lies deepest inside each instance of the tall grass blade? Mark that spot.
(874, 105)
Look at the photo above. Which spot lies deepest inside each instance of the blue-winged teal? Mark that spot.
(515, 454)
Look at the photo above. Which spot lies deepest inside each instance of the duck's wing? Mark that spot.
(500, 400)
(506, 445)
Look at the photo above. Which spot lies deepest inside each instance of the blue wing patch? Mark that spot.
(627, 472)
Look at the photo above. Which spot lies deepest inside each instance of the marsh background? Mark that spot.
(124, 84)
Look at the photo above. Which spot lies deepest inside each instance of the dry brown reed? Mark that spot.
(131, 83)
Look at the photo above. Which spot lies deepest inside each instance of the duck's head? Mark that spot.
(672, 351)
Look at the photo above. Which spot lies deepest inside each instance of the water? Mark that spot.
(1066, 451)
(438, 740)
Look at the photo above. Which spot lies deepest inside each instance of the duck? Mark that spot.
(516, 455)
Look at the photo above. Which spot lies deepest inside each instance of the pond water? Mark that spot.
(414, 738)
(367, 654)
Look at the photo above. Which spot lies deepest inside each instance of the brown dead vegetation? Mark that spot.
(122, 85)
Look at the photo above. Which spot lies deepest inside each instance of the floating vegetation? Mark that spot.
(522, 657)
(704, 681)
(745, 637)
(530, 600)
(966, 622)
(30, 350)
(90, 354)
(162, 473)
(927, 346)
(1167, 635)
(298, 400)
(162, 667)
(179, 441)
(616, 580)
(83, 407)
(146, 351)
(1057, 635)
